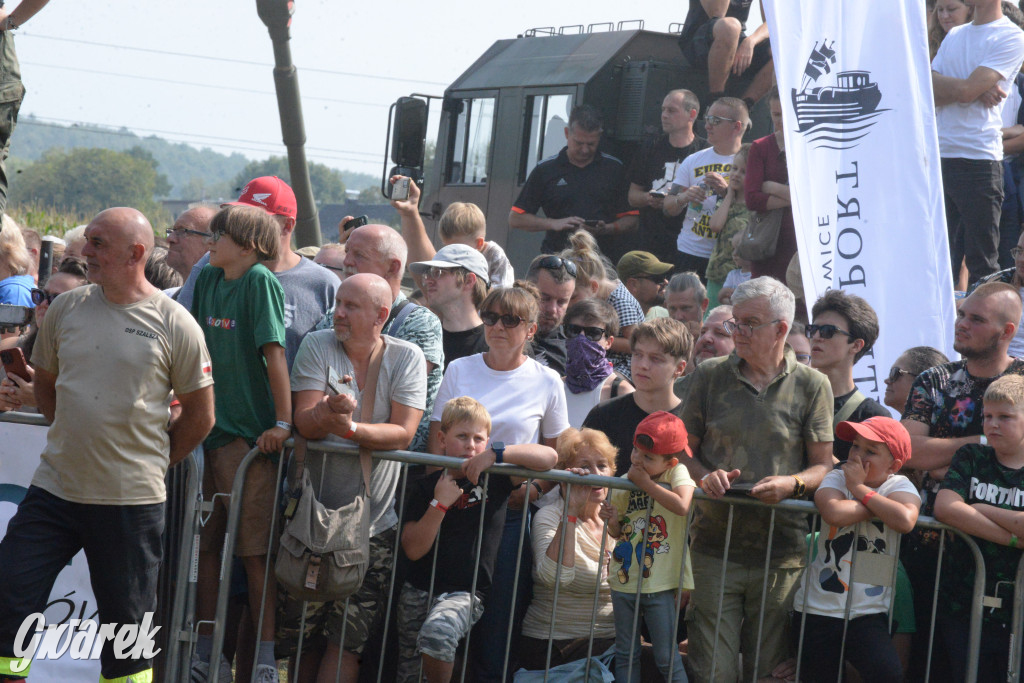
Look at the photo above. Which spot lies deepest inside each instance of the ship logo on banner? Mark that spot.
(835, 116)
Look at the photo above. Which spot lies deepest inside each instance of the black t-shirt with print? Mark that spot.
(456, 549)
(977, 476)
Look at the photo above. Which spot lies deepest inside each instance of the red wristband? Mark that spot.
(867, 497)
(571, 519)
(436, 503)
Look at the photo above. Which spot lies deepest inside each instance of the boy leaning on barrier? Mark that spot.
(239, 304)
(865, 505)
(983, 495)
(650, 545)
(444, 511)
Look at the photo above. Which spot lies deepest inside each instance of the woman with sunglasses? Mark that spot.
(590, 327)
(15, 392)
(905, 370)
(527, 405)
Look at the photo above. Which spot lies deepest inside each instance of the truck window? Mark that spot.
(470, 151)
(546, 119)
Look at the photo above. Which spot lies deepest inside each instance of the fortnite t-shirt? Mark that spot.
(977, 476)
(696, 237)
(652, 548)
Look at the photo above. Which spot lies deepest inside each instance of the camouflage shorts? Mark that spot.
(431, 630)
(327, 620)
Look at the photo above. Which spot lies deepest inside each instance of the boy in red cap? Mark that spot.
(983, 495)
(649, 526)
(852, 499)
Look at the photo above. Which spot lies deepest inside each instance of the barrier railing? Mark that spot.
(177, 588)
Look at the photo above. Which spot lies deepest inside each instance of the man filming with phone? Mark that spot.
(330, 373)
(580, 188)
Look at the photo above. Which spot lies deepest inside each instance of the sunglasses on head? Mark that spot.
(508, 321)
(825, 331)
(592, 333)
(41, 295)
(557, 263)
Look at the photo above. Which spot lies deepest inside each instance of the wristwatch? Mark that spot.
(801, 488)
(499, 451)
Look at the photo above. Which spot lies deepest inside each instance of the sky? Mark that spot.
(201, 71)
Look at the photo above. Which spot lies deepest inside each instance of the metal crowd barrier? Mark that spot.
(407, 458)
(176, 586)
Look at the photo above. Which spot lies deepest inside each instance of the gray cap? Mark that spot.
(455, 256)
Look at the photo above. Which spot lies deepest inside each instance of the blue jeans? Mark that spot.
(658, 611)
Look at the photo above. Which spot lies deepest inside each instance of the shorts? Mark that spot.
(327, 620)
(697, 49)
(432, 627)
(221, 465)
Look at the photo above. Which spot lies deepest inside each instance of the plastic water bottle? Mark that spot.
(694, 207)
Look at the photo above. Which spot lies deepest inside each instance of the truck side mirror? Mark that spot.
(409, 132)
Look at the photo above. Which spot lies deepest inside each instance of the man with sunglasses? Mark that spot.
(845, 328)
(579, 189)
(702, 180)
(646, 278)
(555, 278)
(760, 419)
(186, 241)
(454, 286)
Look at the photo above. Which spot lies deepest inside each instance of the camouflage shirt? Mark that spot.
(761, 434)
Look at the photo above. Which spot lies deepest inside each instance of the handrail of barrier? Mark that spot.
(24, 418)
(1017, 624)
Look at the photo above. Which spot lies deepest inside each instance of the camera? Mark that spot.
(400, 190)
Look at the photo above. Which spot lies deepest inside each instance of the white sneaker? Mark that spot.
(265, 673)
(200, 671)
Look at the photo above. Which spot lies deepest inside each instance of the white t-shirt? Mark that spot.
(525, 404)
(972, 131)
(1011, 105)
(830, 569)
(696, 237)
(735, 278)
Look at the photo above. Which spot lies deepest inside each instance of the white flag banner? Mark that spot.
(863, 160)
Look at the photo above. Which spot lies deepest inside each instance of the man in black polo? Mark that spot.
(578, 188)
(653, 168)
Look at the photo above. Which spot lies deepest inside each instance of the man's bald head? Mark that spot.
(375, 288)
(197, 218)
(377, 249)
(117, 243)
(127, 224)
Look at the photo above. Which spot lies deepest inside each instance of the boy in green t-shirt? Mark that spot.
(650, 527)
(983, 495)
(240, 306)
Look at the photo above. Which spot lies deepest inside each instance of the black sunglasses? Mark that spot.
(656, 279)
(825, 331)
(592, 333)
(508, 320)
(41, 295)
(895, 374)
(557, 263)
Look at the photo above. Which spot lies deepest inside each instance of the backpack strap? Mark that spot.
(616, 383)
(366, 413)
(398, 315)
(852, 403)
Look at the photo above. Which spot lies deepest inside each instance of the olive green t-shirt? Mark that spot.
(762, 434)
(116, 366)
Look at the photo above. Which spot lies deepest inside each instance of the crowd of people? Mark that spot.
(675, 364)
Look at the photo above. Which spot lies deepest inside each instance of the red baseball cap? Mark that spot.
(879, 428)
(269, 193)
(666, 431)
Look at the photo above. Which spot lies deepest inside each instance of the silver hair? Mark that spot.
(391, 245)
(684, 282)
(781, 301)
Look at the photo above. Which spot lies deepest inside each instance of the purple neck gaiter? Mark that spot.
(587, 365)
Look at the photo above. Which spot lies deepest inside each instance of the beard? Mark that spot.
(983, 349)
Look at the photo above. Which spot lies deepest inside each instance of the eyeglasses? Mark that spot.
(557, 263)
(337, 269)
(712, 120)
(804, 358)
(825, 331)
(896, 373)
(215, 236)
(435, 272)
(508, 321)
(656, 279)
(1016, 252)
(745, 329)
(592, 333)
(181, 232)
(41, 295)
